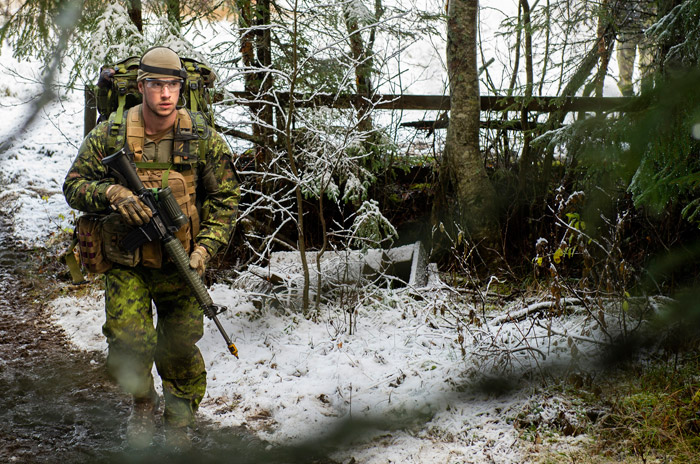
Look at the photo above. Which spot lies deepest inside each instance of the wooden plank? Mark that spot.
(442, 102)
(430, 125)
(549, 104)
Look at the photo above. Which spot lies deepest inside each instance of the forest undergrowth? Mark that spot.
(630, 277)
(586, 274)
(630, 375)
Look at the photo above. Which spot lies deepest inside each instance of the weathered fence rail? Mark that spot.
(442, 102)
(411, 102)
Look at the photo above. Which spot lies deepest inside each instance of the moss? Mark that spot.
(653, 410)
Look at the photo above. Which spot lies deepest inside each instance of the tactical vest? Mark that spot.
(190, 136)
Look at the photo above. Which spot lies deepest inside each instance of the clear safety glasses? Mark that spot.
(158, 85)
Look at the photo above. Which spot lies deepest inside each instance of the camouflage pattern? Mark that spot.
(134, 343)
(87, 181)
(218, 179)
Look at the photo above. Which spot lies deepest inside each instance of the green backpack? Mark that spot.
(121, 91)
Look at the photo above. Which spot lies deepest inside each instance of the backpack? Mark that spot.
(118, 94)
(94, 234)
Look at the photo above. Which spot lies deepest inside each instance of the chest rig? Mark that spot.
(189, 144)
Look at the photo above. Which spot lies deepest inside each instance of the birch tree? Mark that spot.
(462, 172)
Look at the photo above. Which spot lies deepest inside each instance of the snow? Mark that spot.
(34, 167)
(297, 379)
(81, 319)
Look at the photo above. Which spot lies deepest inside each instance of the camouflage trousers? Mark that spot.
(134, 342)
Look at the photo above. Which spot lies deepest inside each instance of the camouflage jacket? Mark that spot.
(218, 191)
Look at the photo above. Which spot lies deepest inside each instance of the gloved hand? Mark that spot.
(132, 209)
(199, 259)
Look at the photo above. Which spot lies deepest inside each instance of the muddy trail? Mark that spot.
(58, 404)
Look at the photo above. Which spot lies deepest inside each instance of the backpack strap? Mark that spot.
(198, 133)
(130, 134)
(116, 135)
(202, 127)
(121, 102)
(188, 146)
(123, 83)
(185, 141)
(135, 132)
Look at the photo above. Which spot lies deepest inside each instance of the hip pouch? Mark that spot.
(89, 234)
(114, 230)
(98, 242)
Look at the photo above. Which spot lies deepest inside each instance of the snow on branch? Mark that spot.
(517, 316)
(370, 226)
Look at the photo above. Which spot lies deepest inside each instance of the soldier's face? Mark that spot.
(160, 99)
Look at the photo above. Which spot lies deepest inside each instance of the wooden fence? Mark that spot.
(442, 102)
(416, 102)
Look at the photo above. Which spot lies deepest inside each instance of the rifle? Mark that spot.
(167, 219)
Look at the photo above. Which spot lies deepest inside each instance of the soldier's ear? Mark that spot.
(140, 85)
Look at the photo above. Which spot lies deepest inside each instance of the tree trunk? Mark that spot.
(135, 13)
(527, 158)
(174, 15)
(293, 165)
(362, 61)
(264, 59)
(462, 172)
(604, 47)
(256, 54)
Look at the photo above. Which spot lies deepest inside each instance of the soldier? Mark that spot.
(632, 19)
(168, 144)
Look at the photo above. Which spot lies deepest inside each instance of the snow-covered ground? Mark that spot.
(410, 359)
(34, 167)
(297, 380)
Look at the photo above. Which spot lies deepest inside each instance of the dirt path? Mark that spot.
(58, 404)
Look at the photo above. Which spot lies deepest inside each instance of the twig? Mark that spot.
(521, 314)
(575, 337)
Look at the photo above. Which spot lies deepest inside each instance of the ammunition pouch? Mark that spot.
(152, 252)
(100, 236)
(114, 229)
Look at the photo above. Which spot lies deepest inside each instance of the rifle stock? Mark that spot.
(166, 220)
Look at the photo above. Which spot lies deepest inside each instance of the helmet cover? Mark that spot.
(160, 63)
